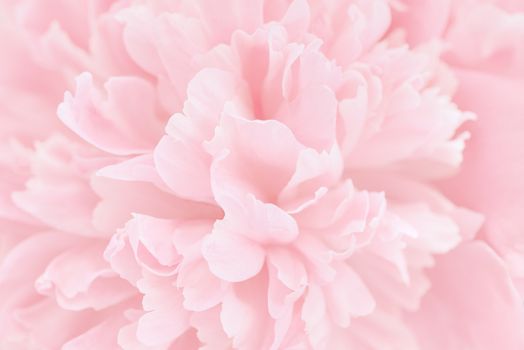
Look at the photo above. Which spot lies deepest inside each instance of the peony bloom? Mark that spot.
(263, 174)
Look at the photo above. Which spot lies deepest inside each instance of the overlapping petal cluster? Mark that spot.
(262, 174)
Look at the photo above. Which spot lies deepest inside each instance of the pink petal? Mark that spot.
(80, 278)
(232, 257)
(264, 223)
(312, 117)
(248, 160)
(201, 289)
(461, 306)
(348, 297)
(113, 125)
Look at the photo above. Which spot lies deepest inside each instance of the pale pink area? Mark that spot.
(500, 48)
(267, 174)
(489, 75)
(494, 142)
(422, 20)
(449, 317)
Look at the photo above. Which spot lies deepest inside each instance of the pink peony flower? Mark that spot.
(261, 175)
